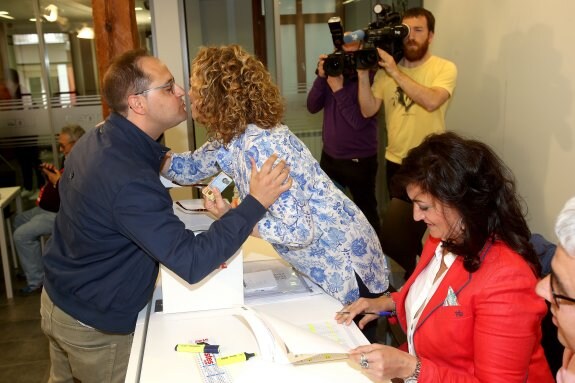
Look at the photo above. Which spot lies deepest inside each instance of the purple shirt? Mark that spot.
(346, 133)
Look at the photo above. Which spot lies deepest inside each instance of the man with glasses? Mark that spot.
(31, 225)
(116, 225)
(559, 289)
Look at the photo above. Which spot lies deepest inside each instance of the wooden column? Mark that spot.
(259, 32)
(116, 32)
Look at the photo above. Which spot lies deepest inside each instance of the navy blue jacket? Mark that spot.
(116, 224)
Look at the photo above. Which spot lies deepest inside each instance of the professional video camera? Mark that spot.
(386, 32)
(339, 62)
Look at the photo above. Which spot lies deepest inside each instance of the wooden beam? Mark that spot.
(259, 32)
(116, 32)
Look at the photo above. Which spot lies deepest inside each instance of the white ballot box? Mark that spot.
(222, 288)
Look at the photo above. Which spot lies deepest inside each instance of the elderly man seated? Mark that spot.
(559, 289)
(31, 225)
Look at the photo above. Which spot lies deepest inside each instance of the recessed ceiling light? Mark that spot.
(4, 12)
(32, 19)
(86, 32)
(51, 13)
(5, 16)
(138, 9)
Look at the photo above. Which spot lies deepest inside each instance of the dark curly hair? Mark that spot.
(231, 89)
(469, 177)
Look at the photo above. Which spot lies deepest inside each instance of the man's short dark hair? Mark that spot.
(123, 78)
(421, 12)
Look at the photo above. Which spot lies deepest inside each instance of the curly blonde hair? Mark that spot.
(231, 89)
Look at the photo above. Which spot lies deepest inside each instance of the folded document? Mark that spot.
(283, 342)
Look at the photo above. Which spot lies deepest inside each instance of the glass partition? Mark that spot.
(48, 79)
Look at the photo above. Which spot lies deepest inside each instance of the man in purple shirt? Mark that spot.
(349, 155)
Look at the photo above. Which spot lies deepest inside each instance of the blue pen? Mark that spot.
(378, 313)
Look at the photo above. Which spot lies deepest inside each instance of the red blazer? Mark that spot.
(493, 335)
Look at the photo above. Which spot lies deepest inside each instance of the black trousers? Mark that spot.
(358, 175)
(398, 225)
(394, 191)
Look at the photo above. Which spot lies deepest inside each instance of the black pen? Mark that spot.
(190, 210)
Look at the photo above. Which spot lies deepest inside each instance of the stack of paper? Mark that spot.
(282, 342)
(274, 280)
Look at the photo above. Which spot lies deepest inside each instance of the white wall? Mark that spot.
(167, 35)
(166, 32)
(516, 62)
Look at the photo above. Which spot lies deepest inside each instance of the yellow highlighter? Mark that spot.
(205, 348)
(236, 358)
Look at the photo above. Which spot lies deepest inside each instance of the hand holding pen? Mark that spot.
(378, 313)
(370, 309)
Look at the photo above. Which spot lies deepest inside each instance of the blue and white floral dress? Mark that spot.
(314, 226)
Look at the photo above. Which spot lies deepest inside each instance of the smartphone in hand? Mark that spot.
(48, 168)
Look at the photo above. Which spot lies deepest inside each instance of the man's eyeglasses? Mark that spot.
(169, 86)
(558, 297)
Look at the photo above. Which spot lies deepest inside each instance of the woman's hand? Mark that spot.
(166, 163)
(218, 206)
(382, 363)
(361, 306)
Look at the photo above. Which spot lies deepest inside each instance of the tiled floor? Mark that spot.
(25, 357)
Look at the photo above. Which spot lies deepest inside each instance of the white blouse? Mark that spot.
(422, 290)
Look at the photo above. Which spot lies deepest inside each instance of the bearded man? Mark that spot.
(415, 92)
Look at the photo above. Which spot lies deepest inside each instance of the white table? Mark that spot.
(7, 196)
(160, 363)
(153, 358)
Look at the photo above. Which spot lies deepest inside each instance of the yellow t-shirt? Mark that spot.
(407, 122)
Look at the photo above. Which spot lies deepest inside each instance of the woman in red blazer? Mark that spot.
(469, 310)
